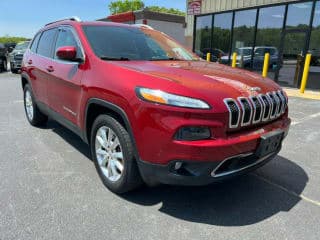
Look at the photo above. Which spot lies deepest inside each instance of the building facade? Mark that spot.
(172, 25)
(286, 29)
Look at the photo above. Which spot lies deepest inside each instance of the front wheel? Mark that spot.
(112, 152)
(33, 114)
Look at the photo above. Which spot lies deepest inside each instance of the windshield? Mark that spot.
(244, 51)
(22, 46)
(123, 43)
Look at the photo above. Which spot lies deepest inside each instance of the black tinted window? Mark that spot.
(66, 38)
(46, 43)
(110, 42)
(35, 42)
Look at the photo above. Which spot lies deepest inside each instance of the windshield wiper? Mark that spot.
(114, 58)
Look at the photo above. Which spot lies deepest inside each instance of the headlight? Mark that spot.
(158, 96)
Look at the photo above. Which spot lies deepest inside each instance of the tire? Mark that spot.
(34, 115)
(13, 70)
(3, 67)
(108, 155)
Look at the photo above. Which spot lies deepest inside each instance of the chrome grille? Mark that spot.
(18, 57)
(256, 109)
(247, 111)
(234, 112)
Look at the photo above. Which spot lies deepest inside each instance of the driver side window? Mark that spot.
(66, 38)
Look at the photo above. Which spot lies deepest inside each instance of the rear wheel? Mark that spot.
(3, 66)
(33, 114)
(112, 152)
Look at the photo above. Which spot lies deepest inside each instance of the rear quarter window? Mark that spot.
(46, 43)
(34, 43)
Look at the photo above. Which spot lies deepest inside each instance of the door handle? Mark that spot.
(50, 69)
(30, 62)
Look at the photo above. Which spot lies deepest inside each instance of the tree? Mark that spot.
(121, 6)
(125, 6)
(166, 10)
(10, 39)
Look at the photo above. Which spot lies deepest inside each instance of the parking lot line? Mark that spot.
(301, 196)
(315, 115)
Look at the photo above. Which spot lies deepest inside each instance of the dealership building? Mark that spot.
(288, 30)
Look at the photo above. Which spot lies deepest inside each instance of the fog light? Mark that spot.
(178, 165)
(193, 133)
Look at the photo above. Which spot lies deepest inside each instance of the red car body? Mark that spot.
(74, 92)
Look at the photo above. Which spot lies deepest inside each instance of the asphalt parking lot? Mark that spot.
(49, 188)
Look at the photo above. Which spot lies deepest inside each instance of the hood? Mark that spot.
(207, 78)
(21, 51)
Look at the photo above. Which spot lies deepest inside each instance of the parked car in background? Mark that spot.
(3, 58)
(10, 46)
(244, 55)
(216, 54)
(16, 56)
(150, 110)
(315, 57)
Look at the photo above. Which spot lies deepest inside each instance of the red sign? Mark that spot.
(194, 7)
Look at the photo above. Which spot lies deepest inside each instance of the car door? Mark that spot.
(37, 60)
(64, 87)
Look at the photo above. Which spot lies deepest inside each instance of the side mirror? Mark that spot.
(68, 53)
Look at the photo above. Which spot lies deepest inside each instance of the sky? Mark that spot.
(25, 18)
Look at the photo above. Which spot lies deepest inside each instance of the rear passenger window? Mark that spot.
(46, 42)
(35, 42)
(66, 38)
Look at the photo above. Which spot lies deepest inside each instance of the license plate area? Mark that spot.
(269, 143)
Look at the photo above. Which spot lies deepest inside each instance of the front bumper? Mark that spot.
(201, 173)
(15, 64)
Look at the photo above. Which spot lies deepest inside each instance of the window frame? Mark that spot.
(76, 38)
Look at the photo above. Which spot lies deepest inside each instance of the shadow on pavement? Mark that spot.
(241, 201)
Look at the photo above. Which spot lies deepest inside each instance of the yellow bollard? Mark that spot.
(208, 57)
(305, 73)
(234, 60)
(266, 65)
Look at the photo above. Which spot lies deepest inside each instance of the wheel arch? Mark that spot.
(96, 107)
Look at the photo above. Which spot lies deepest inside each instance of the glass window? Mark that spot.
(268, 39)
(203, 35)
(314, 47)
(299, 15)
(46, 43)
(221, 37)
(66, 38)
(122, 43)
(243, 35)
(35, 42)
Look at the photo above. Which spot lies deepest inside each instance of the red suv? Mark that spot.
(150, 110)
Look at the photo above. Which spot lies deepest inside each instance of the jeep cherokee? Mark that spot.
(150, 110)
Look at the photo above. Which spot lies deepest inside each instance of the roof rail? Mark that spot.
(143, 25)
(74, 18)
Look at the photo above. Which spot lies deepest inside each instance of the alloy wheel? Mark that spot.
(109, 153)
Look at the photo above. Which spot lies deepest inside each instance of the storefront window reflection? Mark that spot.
(243, 36)
(221, 36)
(203, 35)
(299, 15)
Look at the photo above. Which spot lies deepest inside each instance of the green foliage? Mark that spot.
(166, 10)
(9, 39)
(121, 6)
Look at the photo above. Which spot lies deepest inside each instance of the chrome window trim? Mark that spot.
(243, 111)
(226, 100)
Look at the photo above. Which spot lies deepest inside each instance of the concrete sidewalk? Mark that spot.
(308, 94)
